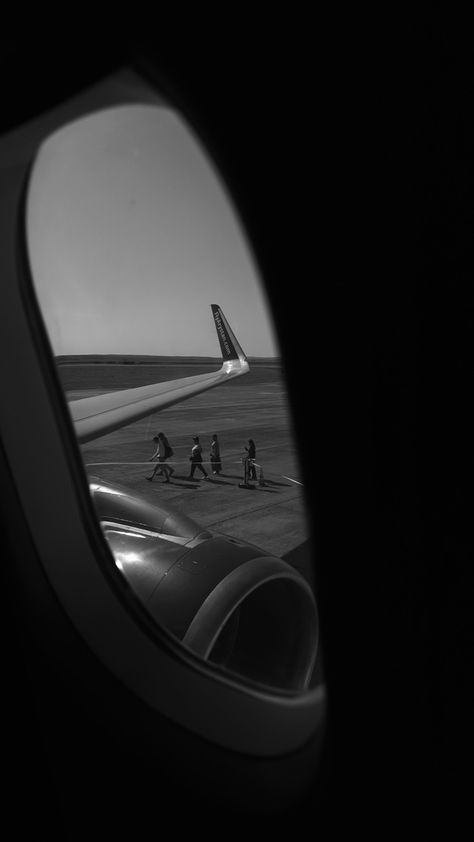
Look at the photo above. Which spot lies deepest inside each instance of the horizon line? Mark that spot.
(124, 356)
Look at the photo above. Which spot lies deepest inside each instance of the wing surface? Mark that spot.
(101, 414)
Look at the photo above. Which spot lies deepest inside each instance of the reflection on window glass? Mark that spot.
(131, 238)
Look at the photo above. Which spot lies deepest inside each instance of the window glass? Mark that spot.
(131, 237)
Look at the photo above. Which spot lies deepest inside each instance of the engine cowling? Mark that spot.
(228, 601)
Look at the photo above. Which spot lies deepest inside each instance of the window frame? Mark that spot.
(41, 448)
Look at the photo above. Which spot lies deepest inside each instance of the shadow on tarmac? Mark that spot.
(257, 487)
(253, 485)
(182, 484)
(232, 476)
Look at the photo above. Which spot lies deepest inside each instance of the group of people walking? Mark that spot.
(165, 451)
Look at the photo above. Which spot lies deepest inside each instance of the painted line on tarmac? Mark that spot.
(94, 464)
(155, 462)
(291, 480)
(147, 462)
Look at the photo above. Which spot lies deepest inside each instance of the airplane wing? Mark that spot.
(95, 416)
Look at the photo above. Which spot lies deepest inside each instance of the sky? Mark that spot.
(132, 235)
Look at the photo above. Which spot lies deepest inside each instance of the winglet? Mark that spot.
(233, 356)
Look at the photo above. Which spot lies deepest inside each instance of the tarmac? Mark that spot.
(269, 513)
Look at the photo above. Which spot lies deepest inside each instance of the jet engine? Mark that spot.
(228, 601)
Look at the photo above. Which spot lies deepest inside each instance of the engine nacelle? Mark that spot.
(226, 600)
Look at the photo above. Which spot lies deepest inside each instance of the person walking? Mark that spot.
(196, 458)
(252, 455)
(215, 455)
(163, 451)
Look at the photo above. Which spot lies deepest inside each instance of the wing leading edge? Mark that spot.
(101, 414)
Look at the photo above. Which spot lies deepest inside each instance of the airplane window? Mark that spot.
(162, 337)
